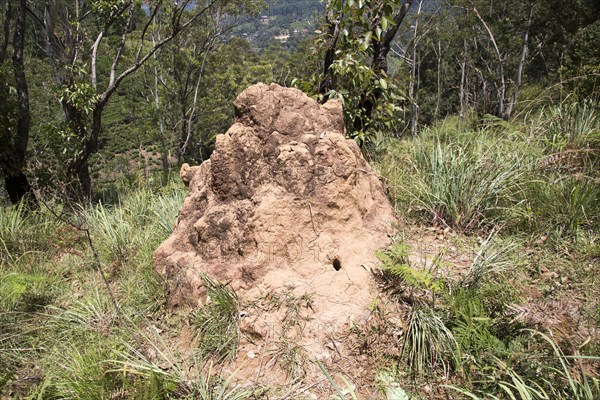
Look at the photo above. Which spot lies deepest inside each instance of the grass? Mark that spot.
(571, 124)
(217, 322)
(429, 344)
(56, 315)
(530, 194)
(25, 234)
(521, 199)
(60, 334)
(568, 383)
(462, 188)
(502, 175)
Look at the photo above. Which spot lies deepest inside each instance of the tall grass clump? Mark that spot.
(429, 344)
(565, 204)
(23, 291)
(166, 208)
(138, 222)
(13, 223)
(493, 258)
(25, 231)
(216, 323)
(99, 371)
(572, 125)
(456, 185)
(112, 231)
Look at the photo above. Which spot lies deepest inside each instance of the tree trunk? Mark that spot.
(326, 84)
(415, 97)
(438, 98)
(79, 168)
(519, 77)
(414, 78)
(18, 189)
(502, 89)
(17, 184)
(463, 81)
(5, 29)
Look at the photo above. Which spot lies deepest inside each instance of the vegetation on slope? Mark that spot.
(518, 321)
(500, 177)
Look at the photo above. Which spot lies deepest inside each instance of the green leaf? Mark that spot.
(366, 42)
(384, 23)
(383, 83)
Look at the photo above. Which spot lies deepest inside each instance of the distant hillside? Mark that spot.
(286, 21)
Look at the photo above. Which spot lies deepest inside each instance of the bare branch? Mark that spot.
(119, 53)
(398, 18)
(500, 64)
(140, 61)
(94, 57)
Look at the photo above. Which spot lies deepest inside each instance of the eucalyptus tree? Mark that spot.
(180, 77)
(93, 47)
(493, 49)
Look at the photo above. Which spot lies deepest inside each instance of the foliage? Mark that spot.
(394, 261)
(473, 326)
(358, 80)
(372, 100)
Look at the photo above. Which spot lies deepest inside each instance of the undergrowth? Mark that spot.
(523, 199)
(216, 323)
(60, 334)
(530, 194)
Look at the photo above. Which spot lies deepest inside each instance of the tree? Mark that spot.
(179, 76)
(497, 52)
(86, 86)
(358, 39)
(17, 118)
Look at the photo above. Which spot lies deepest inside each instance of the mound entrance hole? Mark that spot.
(337, 264)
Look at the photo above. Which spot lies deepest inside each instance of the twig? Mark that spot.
(101, 271)
(285, 396)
